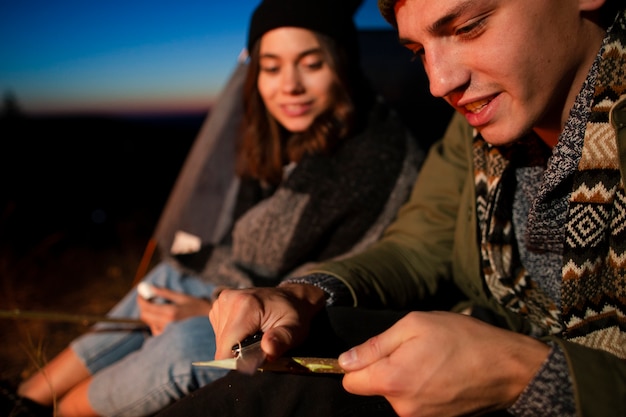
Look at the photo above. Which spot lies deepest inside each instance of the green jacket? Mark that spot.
(434, 238)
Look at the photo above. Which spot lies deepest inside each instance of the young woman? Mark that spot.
(324, 166)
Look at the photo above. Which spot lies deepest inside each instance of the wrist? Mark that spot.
(308, 293)
(526, 359)
(336, 291)
(207, 305)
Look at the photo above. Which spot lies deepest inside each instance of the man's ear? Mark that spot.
(590, 5)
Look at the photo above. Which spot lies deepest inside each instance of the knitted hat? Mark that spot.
(329, 17)
(386, 8)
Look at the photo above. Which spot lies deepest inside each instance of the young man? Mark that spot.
(521, 205)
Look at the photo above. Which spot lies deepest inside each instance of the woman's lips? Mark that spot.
(295, 109)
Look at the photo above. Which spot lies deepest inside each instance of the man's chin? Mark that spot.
(497, 137)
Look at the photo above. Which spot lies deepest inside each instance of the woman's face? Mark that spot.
(295, 79)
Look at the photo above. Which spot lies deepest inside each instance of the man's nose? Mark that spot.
(446, 71)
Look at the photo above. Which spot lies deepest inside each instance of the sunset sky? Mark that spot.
(94, 56)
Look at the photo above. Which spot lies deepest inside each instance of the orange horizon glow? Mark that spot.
(128, 106)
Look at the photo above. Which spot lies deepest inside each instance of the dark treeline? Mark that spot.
(80, 175)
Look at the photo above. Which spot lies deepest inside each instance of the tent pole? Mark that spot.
(18, 314)
(145, 261)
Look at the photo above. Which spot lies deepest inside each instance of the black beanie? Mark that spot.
(329, 17)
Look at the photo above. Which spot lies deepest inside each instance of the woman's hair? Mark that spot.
(265, 146)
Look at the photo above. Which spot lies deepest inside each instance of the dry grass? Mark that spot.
(59, 275)
(79, 199)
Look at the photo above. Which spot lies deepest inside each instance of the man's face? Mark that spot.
(509, 66)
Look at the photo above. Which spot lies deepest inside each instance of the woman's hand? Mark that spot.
(177, 306)
(443, 364)
(283, 314)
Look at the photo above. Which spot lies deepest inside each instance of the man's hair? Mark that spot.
(386, 8)
(607, 12)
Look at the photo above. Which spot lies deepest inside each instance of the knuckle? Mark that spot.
(373, 345)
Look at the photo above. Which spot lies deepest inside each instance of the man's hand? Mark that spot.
(443, 364)
(178, 306)
(284, 315)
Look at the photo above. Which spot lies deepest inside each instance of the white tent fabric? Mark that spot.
(202, 188)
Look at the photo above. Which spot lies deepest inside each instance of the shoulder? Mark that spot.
(383, 134)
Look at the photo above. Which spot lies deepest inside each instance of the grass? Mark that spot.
(60, 274)
(80, 198)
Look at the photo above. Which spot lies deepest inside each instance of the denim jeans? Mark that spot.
(136, 374)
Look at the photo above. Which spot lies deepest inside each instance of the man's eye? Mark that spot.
(417, 54)
(416, 51)
(472, 29)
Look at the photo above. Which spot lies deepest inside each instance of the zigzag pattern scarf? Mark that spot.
(593, 289)
(594, 271)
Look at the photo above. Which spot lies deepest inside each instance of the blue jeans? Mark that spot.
(136, 374)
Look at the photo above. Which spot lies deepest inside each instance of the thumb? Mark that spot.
(373, 350)
(360, 356)
(169, 295)
(277, 341)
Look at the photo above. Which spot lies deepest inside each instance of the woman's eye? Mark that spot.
(315, 65)
(269, 69)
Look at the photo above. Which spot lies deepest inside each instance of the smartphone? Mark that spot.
(146, 291)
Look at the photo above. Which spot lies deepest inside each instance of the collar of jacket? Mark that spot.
(617, 118)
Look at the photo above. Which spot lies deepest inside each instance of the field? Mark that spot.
(80, 197)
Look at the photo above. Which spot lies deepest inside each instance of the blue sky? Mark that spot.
(60, 56)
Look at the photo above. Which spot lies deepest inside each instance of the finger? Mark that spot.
(277, 341)
(148, 316)
(157, 314)
(154, 330)
(388, 376)
(145, 307)
(230, 321)
(369, 380)
(375, 348)
(169, 295)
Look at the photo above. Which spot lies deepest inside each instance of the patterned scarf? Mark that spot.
(593, 277)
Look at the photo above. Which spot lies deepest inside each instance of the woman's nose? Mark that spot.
(292, 81)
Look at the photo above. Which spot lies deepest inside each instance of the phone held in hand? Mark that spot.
(146, 291)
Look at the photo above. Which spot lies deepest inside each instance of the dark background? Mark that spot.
(79, 198)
